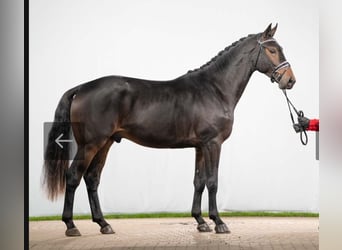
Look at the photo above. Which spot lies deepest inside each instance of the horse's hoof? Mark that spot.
(71, 232)
(222, 229)
(107, 230)
(203, 228)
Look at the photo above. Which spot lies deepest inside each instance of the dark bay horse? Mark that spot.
(194, 110)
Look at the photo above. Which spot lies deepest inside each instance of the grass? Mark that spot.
(177, 215)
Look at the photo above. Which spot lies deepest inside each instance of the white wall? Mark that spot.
(263, 165)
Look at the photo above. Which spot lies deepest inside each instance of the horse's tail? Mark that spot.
(56, 161)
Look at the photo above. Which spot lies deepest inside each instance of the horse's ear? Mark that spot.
(269, 32)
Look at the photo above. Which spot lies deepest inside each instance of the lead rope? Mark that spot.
(299, 113)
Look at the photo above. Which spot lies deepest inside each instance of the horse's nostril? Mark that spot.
(293, 81)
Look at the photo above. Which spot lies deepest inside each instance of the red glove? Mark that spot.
(313, 125)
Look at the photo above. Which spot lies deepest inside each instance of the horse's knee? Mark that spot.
(199, 187)
(212, 186)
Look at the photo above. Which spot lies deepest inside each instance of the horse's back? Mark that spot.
(103, 103)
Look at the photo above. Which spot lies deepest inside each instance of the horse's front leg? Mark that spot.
(199, 185)
(212, 156)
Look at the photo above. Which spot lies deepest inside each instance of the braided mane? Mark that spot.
(220, 54)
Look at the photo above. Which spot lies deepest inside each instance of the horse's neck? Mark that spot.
(232, 78)
(236, 79)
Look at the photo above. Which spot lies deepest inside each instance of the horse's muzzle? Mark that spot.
(290, 83)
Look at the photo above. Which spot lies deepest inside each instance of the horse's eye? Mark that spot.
(272, 50)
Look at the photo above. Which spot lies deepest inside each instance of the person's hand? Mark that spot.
(297, 127)
(304, 122)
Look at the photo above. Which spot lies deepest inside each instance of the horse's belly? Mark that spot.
(160, 135)
(159, 142)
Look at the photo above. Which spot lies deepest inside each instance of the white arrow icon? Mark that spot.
(59, 140)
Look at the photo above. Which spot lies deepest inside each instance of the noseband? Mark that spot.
(275, 76)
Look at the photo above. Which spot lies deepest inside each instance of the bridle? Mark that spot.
(275, 75)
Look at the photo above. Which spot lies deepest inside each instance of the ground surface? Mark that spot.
(179, 233)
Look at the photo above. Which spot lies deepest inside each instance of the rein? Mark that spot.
(299, 113)
(276, 77)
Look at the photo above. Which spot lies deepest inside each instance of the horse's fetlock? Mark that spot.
(196, 214)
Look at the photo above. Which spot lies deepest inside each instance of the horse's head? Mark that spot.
(271, 61)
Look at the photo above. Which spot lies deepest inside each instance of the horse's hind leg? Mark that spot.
(74, 174)
(92, 180)
(199, 185)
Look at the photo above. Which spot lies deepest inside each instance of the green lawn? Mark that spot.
(177, 215)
